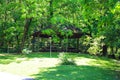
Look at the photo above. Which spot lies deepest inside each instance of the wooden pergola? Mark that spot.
(76, 34)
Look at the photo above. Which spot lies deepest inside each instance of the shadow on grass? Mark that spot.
(8, 58)
(77, 73)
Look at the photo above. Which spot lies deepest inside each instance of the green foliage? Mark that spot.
(58, 19)
(48, 32)
(66, 59)
(117, 55)
(96, 46)
(94, 17)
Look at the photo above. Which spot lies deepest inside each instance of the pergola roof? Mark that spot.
(40, 34)
(76, 32)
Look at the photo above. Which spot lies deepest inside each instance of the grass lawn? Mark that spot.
(41, 67)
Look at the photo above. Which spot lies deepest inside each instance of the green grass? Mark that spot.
(77, 73)
(8, 58)
(42, 67)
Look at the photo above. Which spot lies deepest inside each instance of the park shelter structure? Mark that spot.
(64, 44)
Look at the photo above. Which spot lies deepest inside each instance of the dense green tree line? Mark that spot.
(98, 18)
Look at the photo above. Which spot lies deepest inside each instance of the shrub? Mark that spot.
(117, 55)
(66, 59)
(26, 51)
(96, 46)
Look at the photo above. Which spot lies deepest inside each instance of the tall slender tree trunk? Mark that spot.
(25, 33)
(33, 44)
(116, 50)
(112, 52)
(77, 44)
(18, 43)
(104, 50)
(50, 10)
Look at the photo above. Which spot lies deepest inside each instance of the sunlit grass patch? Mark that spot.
(25, 66)
(96, 60)
(9, 58)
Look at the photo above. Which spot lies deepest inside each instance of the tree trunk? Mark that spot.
(77, 45)
(112, 50)
(18, 44)
(104, 50)
(116, 50)
(60, 48)
(33, 44)
(112, 55)
(51, 9)
(25, 33)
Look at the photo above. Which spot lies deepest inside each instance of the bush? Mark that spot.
(66, 59)
(26, 51)
(96, 46)
(117, 55)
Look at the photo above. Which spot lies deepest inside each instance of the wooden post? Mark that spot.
(77, 44)
(67, 44)
(60, 45)
(50, 46)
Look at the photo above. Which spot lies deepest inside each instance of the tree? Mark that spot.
(99, 19)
